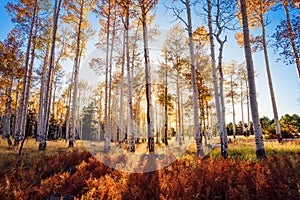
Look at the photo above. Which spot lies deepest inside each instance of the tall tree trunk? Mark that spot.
(211, 123)
(224, 149)
(197, 134)
(68, 112)
(16, 111)
(223, 111)
(148, 82)
(221, 79)
(166, 103)
(53, 93)
(203, 120)
(28, 82)
(260, 150)
(291, 35)
(48, 107)
(178, 110)
(242, 107)
(42, 91)
(275, 112)
(157, 128)
(114, 130)
(130, 132)
(110, 79)
(138, 120)
(182, 114)
(76, 73)
(248, 108)
(42, 145)
(207, 120)
(22, 113)
(120, 127)
(7, 116)
(106, 124)
(99, 118)
(233, 108)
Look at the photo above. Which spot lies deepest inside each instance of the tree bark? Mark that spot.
(120, 127)
(166, 102)
(242, 107)
(197, 134)
(7, 115)
(248, 108)
(76, 73)
(274, 106)
(221, 81)
(22, 114)
(178, 109)
(16, 111)
(233, 108)
(150, 127)
(68, 113)
(106, 124)
(291, 35)
(28, 82)
(207, 120)
(42, 91)
(260, 150)
(224, 141)
(224, 150)
(129, 82)
(43, 137)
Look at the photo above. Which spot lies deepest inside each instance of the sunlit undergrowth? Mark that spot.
(77, 174)
(244, 149)
(30, 153)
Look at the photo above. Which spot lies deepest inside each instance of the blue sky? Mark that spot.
(285, 80)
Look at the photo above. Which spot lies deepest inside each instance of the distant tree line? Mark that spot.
(290, 127)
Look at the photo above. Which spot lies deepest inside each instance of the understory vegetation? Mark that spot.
(77, 174)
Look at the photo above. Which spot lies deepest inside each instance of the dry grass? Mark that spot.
(61, 172)
(30, 152)
(241, 148)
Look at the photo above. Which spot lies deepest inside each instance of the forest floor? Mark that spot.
(174, 172)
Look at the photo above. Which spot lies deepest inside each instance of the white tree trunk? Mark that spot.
(68, 113)
(150, 127)
(182, 116)
(224, 142)
(166, 103)
(248, 109)
(22, 113)
(106, 124)
(260, 150)
(274, 106)
(7, 116)
(76, 73)
(291, 36)
(197, 134)
(179, 129)
(242, 107)
(16, 110)
(233, 108)
(208, 116)
(45, 116)
(130, 133)
(120, 127)
(28, 83)
(42, 89)
(224, 150)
